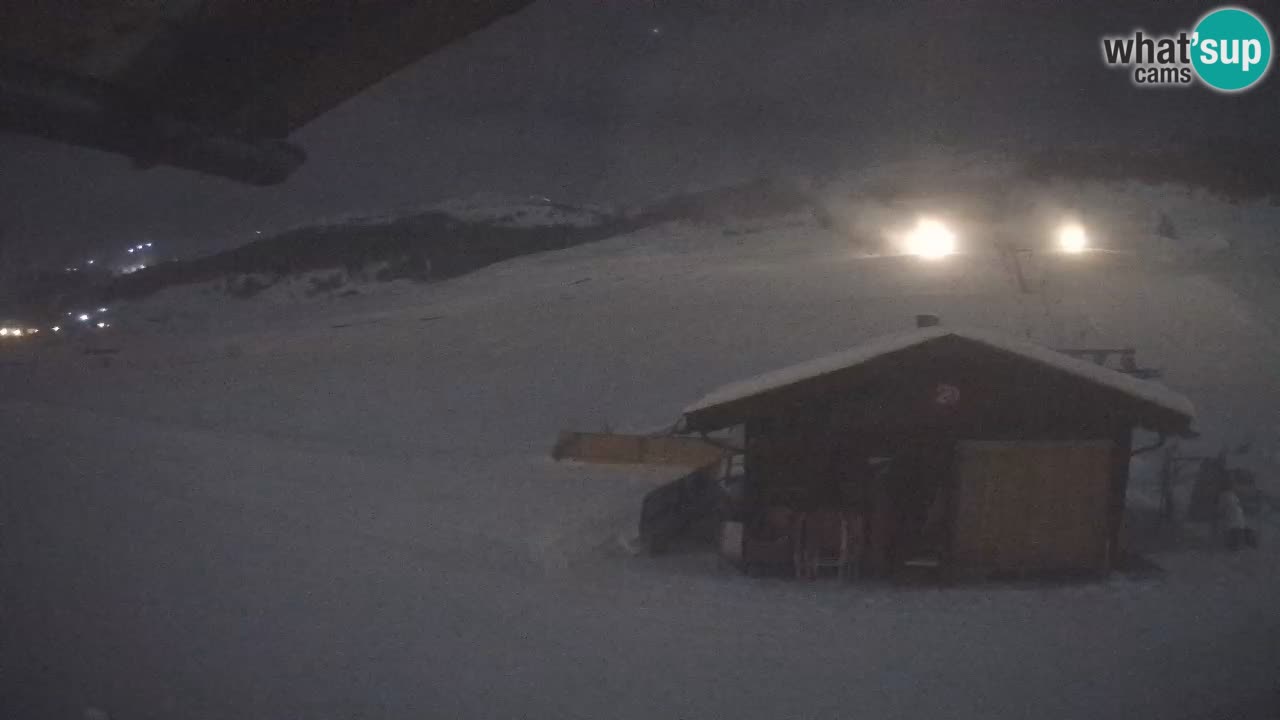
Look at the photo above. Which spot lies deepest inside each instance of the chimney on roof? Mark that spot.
(928, 321)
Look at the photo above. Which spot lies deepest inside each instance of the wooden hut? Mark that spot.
(964, 450)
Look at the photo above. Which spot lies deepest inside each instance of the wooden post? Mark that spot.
(951, 500)
(1122, 447)
(1167, 471)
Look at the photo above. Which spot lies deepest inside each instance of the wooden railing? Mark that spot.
(635, 449)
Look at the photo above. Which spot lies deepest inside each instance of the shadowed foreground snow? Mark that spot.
(346, 510)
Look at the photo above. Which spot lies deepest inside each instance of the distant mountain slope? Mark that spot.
(428, 242)
(1239, 170)
(424, 244)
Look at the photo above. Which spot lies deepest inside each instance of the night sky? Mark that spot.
(618, 101)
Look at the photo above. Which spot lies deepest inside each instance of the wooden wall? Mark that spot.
(790, 459)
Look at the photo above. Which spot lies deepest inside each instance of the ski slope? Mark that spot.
(345, 508)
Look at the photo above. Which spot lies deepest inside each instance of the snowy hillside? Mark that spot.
(489, 208)
(522, 212)
(312, 506)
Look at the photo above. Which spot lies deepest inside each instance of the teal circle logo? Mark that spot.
(1231, 49)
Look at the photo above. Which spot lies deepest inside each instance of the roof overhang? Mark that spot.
(209, 85)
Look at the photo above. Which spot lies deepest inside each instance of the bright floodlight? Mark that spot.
(102, 324)
(130, 249)
(16, 332)
(102, 309)
(56, 328)
(4, 331)
(1072, 238)
(931, 239)
(82, 317)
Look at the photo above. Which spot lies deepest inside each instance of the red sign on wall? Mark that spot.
(946, 395)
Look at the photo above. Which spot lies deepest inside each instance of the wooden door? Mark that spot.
(1024, 508)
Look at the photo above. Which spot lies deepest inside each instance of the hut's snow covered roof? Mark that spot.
(1144, 390)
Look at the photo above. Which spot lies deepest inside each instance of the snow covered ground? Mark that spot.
(343, 508)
